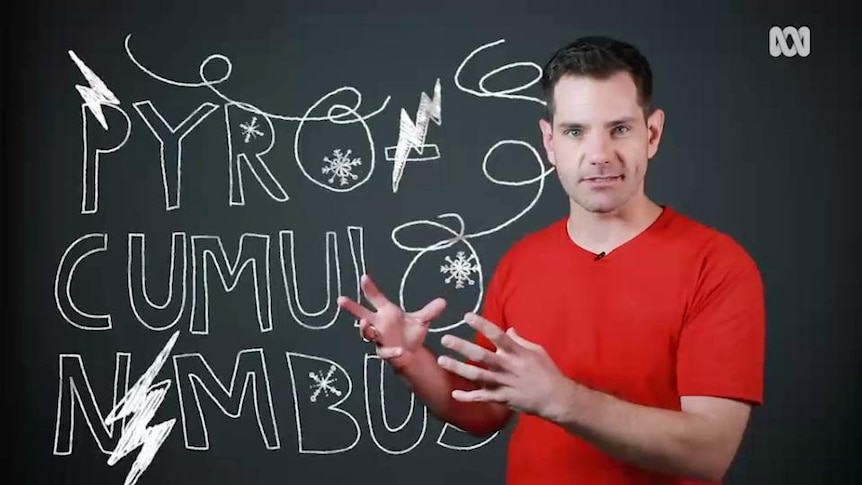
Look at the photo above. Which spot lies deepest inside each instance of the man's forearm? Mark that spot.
(433, 385)
(671, 442)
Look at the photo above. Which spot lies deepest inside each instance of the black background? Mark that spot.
(763, 148)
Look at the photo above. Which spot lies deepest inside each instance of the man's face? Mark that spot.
(600, 142)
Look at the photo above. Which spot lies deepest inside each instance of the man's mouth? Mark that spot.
(605, 178)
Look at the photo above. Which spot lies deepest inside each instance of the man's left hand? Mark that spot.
(519, 374)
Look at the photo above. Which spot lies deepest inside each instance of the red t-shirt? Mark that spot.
(678, 310)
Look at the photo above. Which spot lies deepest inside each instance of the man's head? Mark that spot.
(600, 130)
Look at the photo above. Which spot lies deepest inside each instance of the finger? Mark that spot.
(430, 311)
(356, 309)
(469, 372)
(387, 353)
(480, 395)
(474, 352)
(513, 334)
(372, 293)
(494, 333)
(367, 330)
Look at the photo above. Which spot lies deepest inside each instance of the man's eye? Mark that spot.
(621, 130)
(573, 132)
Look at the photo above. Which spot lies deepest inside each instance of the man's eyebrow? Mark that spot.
(621, 121)
(568, 125)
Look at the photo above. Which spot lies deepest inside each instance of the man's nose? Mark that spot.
(599, 149)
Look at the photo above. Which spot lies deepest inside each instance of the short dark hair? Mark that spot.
(598, 57)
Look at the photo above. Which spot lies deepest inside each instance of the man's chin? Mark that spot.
(605, 210)
(599, 206)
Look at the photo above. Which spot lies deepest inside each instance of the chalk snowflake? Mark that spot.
(340, 166)
(323, 383)
(459, 269)
(250, 129)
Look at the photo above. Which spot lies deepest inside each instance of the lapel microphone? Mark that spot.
(599, 256)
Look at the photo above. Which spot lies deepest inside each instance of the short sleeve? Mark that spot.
(721, 343)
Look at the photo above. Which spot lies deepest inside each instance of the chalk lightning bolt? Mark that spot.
(141, 403)
(412, 135)
(97, 94)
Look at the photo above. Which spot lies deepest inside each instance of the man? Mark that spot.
(627, 338)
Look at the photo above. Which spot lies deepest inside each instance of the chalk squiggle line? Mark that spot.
(459, 234)
(210, 84)
(484, 92)
(506, 93)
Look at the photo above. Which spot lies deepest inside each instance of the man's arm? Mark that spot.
(433, 385)
(399, 337)
(698, 442)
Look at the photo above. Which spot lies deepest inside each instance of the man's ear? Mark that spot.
(655, 128)
(547, 139)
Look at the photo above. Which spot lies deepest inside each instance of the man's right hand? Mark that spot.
(396, 333)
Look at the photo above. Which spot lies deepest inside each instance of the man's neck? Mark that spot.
(604, 232)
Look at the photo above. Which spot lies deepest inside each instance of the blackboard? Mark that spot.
(246, 169)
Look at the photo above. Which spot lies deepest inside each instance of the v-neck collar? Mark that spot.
(661, 221)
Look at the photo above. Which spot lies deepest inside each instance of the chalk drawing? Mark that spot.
(336, 444)
(139, 405)
(82, 248)
(171, 139)
(375, 366)
(171, 310)
(411, 136)
(193, 373)
(253, 252)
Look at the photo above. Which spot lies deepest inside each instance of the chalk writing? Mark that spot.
(200, 270)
